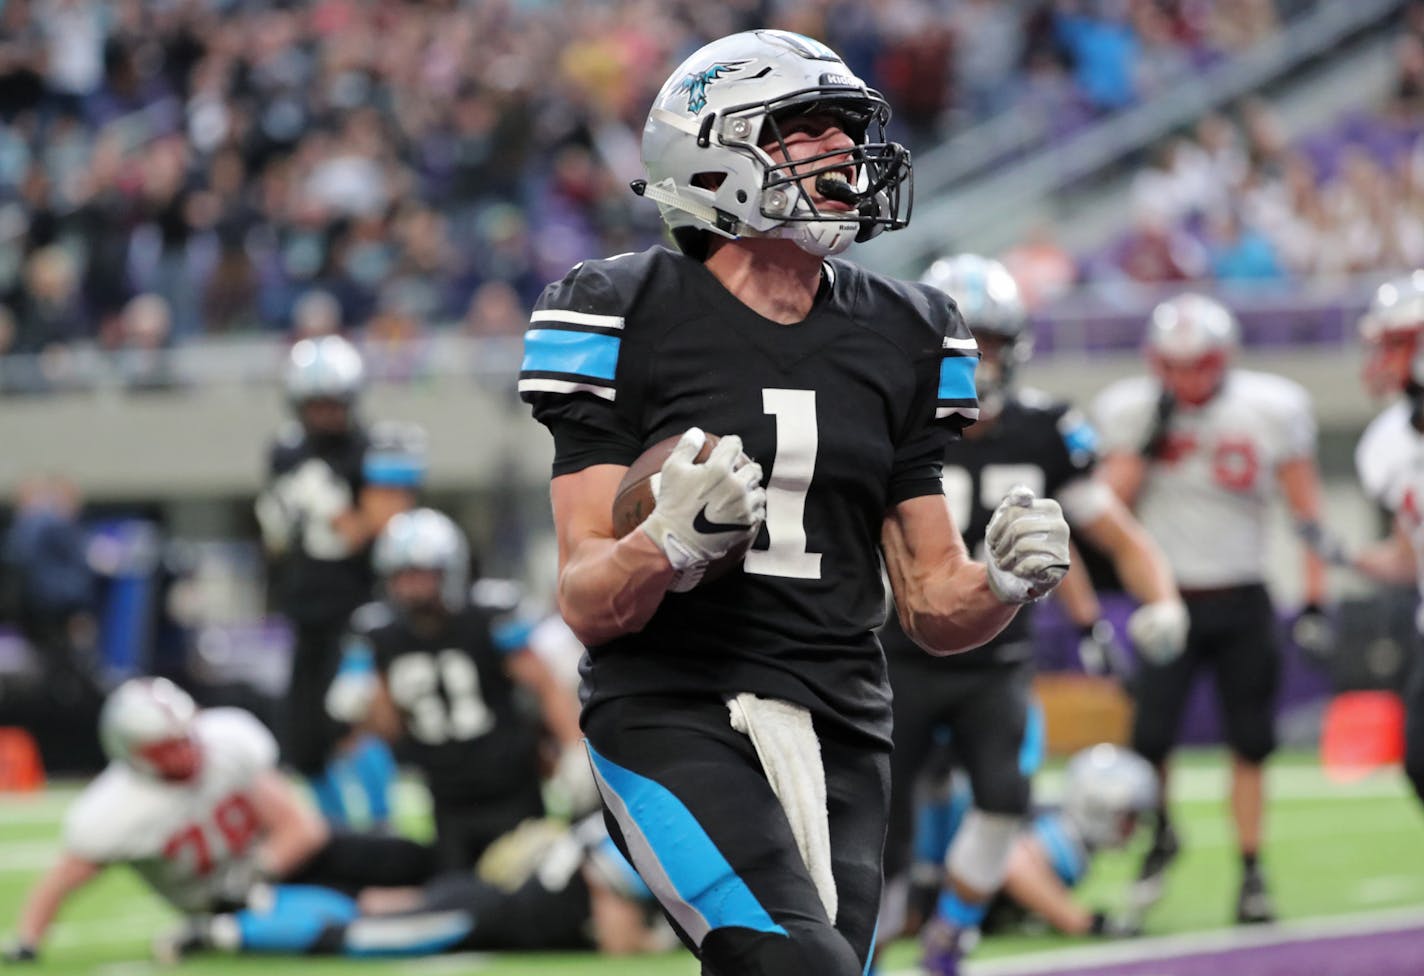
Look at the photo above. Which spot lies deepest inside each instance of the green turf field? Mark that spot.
(1333, 850)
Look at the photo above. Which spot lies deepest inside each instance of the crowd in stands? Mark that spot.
(1235, 200)
(210, 166)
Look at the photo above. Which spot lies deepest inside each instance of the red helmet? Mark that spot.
(1191, 340)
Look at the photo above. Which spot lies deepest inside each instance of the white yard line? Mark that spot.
(1087, 958)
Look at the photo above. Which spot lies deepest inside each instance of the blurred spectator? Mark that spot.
(1237, 25)
(988, 46)
(316, 314)
(1409, 85)
(496, 310)
(229, 158)
(47, 315)
(143, 357)
(1104, 49)
(1156, 250)
(51, 587)
(1043, 268)
(1239, 252)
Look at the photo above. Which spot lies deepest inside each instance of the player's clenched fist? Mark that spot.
(1027, 540)
(706, 510)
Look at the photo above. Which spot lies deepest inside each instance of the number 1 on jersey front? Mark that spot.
(791, 470)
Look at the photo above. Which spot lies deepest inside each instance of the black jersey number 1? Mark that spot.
(791, 471)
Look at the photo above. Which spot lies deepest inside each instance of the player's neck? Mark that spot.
(774, 278)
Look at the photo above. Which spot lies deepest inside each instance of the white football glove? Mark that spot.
(1159, 630)
(276, 520)
(575, 792)
(1027, 542)
(704, 511)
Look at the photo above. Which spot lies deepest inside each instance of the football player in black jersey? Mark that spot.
(331, 486)
(740, 729)
(983, 697)
(545, 886)
(446, 690)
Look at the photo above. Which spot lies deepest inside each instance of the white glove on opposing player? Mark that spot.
(574, 789)
(704, 511)
(1159, 630)
(1027, 541)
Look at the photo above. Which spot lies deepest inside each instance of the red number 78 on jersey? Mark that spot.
(226, 835)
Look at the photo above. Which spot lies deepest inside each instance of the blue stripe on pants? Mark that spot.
(676, 858)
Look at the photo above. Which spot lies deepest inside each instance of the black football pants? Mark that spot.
(687, 802)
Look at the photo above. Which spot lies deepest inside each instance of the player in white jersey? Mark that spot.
(1200, 450)
(1389, 460)
(192, 801)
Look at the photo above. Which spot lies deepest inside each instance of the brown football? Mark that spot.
(634, 501)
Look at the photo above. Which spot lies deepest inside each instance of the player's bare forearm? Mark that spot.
(1076, 594)
(377, 505)
(1390, 560)
(610, 588)
(293, 832)
(1123, 473)
(943, 597)
(1300, 484)
(1137, 559)
(557, 704)
(1032, 884)
(66, 876)
(607, 587)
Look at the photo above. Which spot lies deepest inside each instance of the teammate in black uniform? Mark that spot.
(544, 886)
(983, 697)
(447, 689)
(766, 156)
(330, 489)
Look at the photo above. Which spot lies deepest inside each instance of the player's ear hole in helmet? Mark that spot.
(724, 112)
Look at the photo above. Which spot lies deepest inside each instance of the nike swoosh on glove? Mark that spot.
(1027, 542)
(704, 511)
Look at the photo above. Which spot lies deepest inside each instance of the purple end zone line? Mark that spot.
(1389, 943)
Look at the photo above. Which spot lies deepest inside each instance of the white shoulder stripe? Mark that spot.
(967, 345)
(540, 385)
(577, 318)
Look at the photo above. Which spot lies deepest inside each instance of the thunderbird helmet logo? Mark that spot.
(696, 82)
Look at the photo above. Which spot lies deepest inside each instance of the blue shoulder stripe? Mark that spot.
(588, 354)
(956, 378)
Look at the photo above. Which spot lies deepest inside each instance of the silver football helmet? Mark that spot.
(1190, 326)
(1398, 306)
(1105, 789)
(140, 713)
(328, 367)
(989, 299)
(706, 168)
(423, 538)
